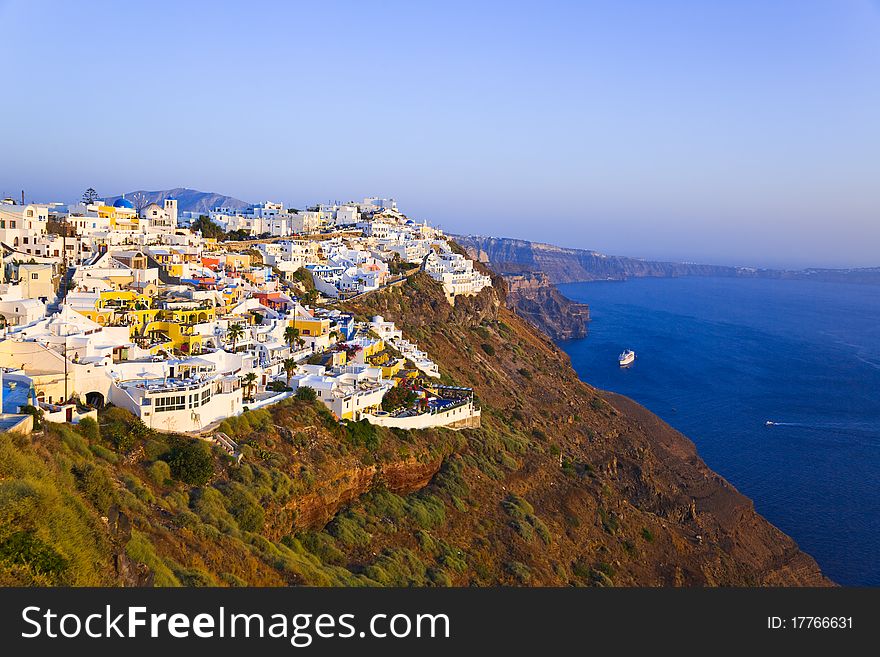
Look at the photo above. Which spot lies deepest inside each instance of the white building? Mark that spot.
(456, 273)
(350, 393)
(172, 404)
(160, 217)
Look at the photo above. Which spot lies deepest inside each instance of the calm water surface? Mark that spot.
(717, 358)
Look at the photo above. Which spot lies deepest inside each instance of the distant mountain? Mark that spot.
(567, 265)
(188, 200)
(509, 256)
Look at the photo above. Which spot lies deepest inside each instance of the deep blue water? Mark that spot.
(718, 357)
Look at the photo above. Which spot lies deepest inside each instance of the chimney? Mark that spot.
(22, 197)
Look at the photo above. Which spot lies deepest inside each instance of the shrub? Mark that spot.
(581, 569)
(306, 393)
(428, 511)
(247, 513)
(438, 577)
(191, 462)
(398, 396)
(489, 349)
(322, 546)
(520, 571)
(104, 453)
(159, 472)
(89, 429)
(195, 577)
(155, 448)
(279, 386)
(95, 484)
(72, 439)
(347, 530)
(608, 520)
(363, 434)
(602, 574)
(647, 535)
(24, 548)
(524, 520)
(141, 550)
(123, 429)
(210, 505)
(397, 567)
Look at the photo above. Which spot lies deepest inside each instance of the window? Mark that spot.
(34, 276)
(172, 403)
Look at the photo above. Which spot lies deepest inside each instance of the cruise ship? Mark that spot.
(626, 358)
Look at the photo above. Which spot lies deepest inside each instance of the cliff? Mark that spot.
(564, 265)
(561, 485)
(577, 485)
(534, 297)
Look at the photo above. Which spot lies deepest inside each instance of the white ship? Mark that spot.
(626, 358)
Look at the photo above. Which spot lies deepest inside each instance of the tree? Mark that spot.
(306, 393)
(208, 228)
(140, 201)
(89, 196)
(234, 333)
(289, 368)
(250, 380)
(291, 335)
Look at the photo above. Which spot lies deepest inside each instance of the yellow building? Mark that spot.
(173, 335)
(119, 307)
(311, 326)
(189, 315)
(238, 261)
(391, 369)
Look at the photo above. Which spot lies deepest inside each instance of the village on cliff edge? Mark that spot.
(132, 304)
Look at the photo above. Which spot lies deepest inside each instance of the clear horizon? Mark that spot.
(742, 133)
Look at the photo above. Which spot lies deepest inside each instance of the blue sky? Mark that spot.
(733, 132)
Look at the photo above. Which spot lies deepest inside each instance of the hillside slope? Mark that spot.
(562, 485)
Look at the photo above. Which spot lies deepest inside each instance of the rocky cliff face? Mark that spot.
(564, 483)
(534, 297)
(562, 265)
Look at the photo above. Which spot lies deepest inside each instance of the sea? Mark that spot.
(719, 357)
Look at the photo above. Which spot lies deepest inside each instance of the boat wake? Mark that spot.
(842, 429)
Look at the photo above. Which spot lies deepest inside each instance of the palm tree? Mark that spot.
(234, 333)
(250, 381)
(291, 335)
(289, 365)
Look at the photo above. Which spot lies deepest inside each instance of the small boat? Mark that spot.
(769, 423)
(626, 358)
